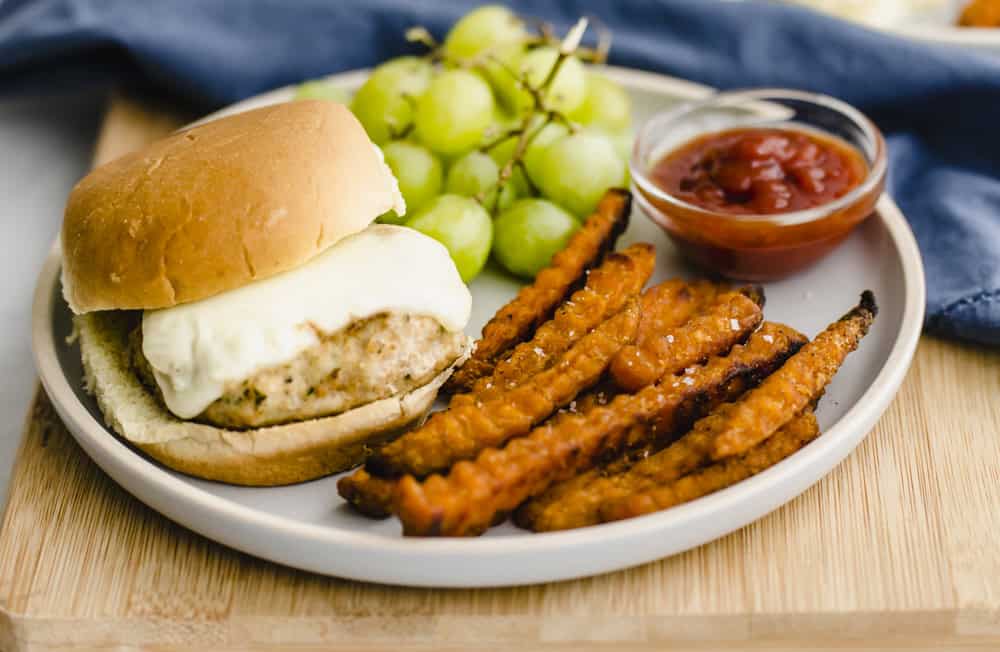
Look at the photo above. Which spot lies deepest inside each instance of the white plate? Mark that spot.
(307, 525)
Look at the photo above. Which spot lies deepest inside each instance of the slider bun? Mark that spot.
(219, 205)
(275, 455)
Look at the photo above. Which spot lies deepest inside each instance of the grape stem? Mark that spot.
(500, 139)
(597, 54)
(525, 133)
(418, 34)
(397, 133)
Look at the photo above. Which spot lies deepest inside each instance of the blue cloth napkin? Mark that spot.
(940, 107)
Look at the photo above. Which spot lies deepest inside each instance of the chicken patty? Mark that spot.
(368, 360)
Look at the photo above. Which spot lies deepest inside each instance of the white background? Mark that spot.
(45, 146)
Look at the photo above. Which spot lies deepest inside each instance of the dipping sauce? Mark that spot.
(760, 171)
(784, 178)
(741, 194)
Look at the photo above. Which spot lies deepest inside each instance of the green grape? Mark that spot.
(606, 105)
(482, 28)
(623, 141)
(384, 103)
(503, 152)
(507, 196)
(419, 175)
(500, 67)
(529, 233)
(540, 140)
(477, 173)
(453, 114)
(461, 225)
(472, 174)
(408, 65)
(319, 89)
(566, 92)
(503, 121)
(576, 170)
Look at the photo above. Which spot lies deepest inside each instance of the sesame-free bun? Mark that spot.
(219, 205)
(274, 455)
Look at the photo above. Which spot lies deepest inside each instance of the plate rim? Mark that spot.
(151, 483)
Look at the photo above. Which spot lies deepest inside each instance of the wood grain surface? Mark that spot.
(898, 548)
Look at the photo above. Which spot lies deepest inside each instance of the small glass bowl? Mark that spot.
(758, 247)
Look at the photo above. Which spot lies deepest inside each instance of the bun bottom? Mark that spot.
(271, 456)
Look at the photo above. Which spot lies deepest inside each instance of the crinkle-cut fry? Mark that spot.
(714, 477)
(645, 439)
(620, 277)
(800, 380)
(535, 303)
(370, 495)
(797, 384)
(462, 432)
(574, 503)
(671, 303)
(729, 320)
(467, 500)
(667, 304)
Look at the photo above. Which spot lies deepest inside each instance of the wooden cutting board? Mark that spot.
(898, 548)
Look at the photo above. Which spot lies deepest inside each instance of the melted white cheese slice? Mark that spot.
(196, 349)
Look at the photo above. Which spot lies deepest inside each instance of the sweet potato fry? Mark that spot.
(729, 320)
(795, 385)
(671, 303)
(370, 495)
(789, 439)
(640, 441)
(474, 492)
(799, 383)
(462, 432)
(575, 502)
(665, 305)
(620, 277)
(535, 303)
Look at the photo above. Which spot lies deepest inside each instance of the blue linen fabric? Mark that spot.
(939, 106)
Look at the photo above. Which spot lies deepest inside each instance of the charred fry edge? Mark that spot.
(798, 383)
(474, 492)
(620, 277)
(715, 477)
(462, 432)
(728, 321)
(535, 303)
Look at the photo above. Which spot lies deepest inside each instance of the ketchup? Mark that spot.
(736, 186)
(760, 171)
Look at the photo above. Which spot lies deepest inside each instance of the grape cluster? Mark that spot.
(502, 139)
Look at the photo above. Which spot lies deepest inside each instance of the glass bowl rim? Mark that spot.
(876, 171)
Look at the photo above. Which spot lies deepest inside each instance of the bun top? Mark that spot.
(219, 205)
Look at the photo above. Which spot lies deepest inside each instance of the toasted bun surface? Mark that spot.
(260, 457)
(219, 205)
